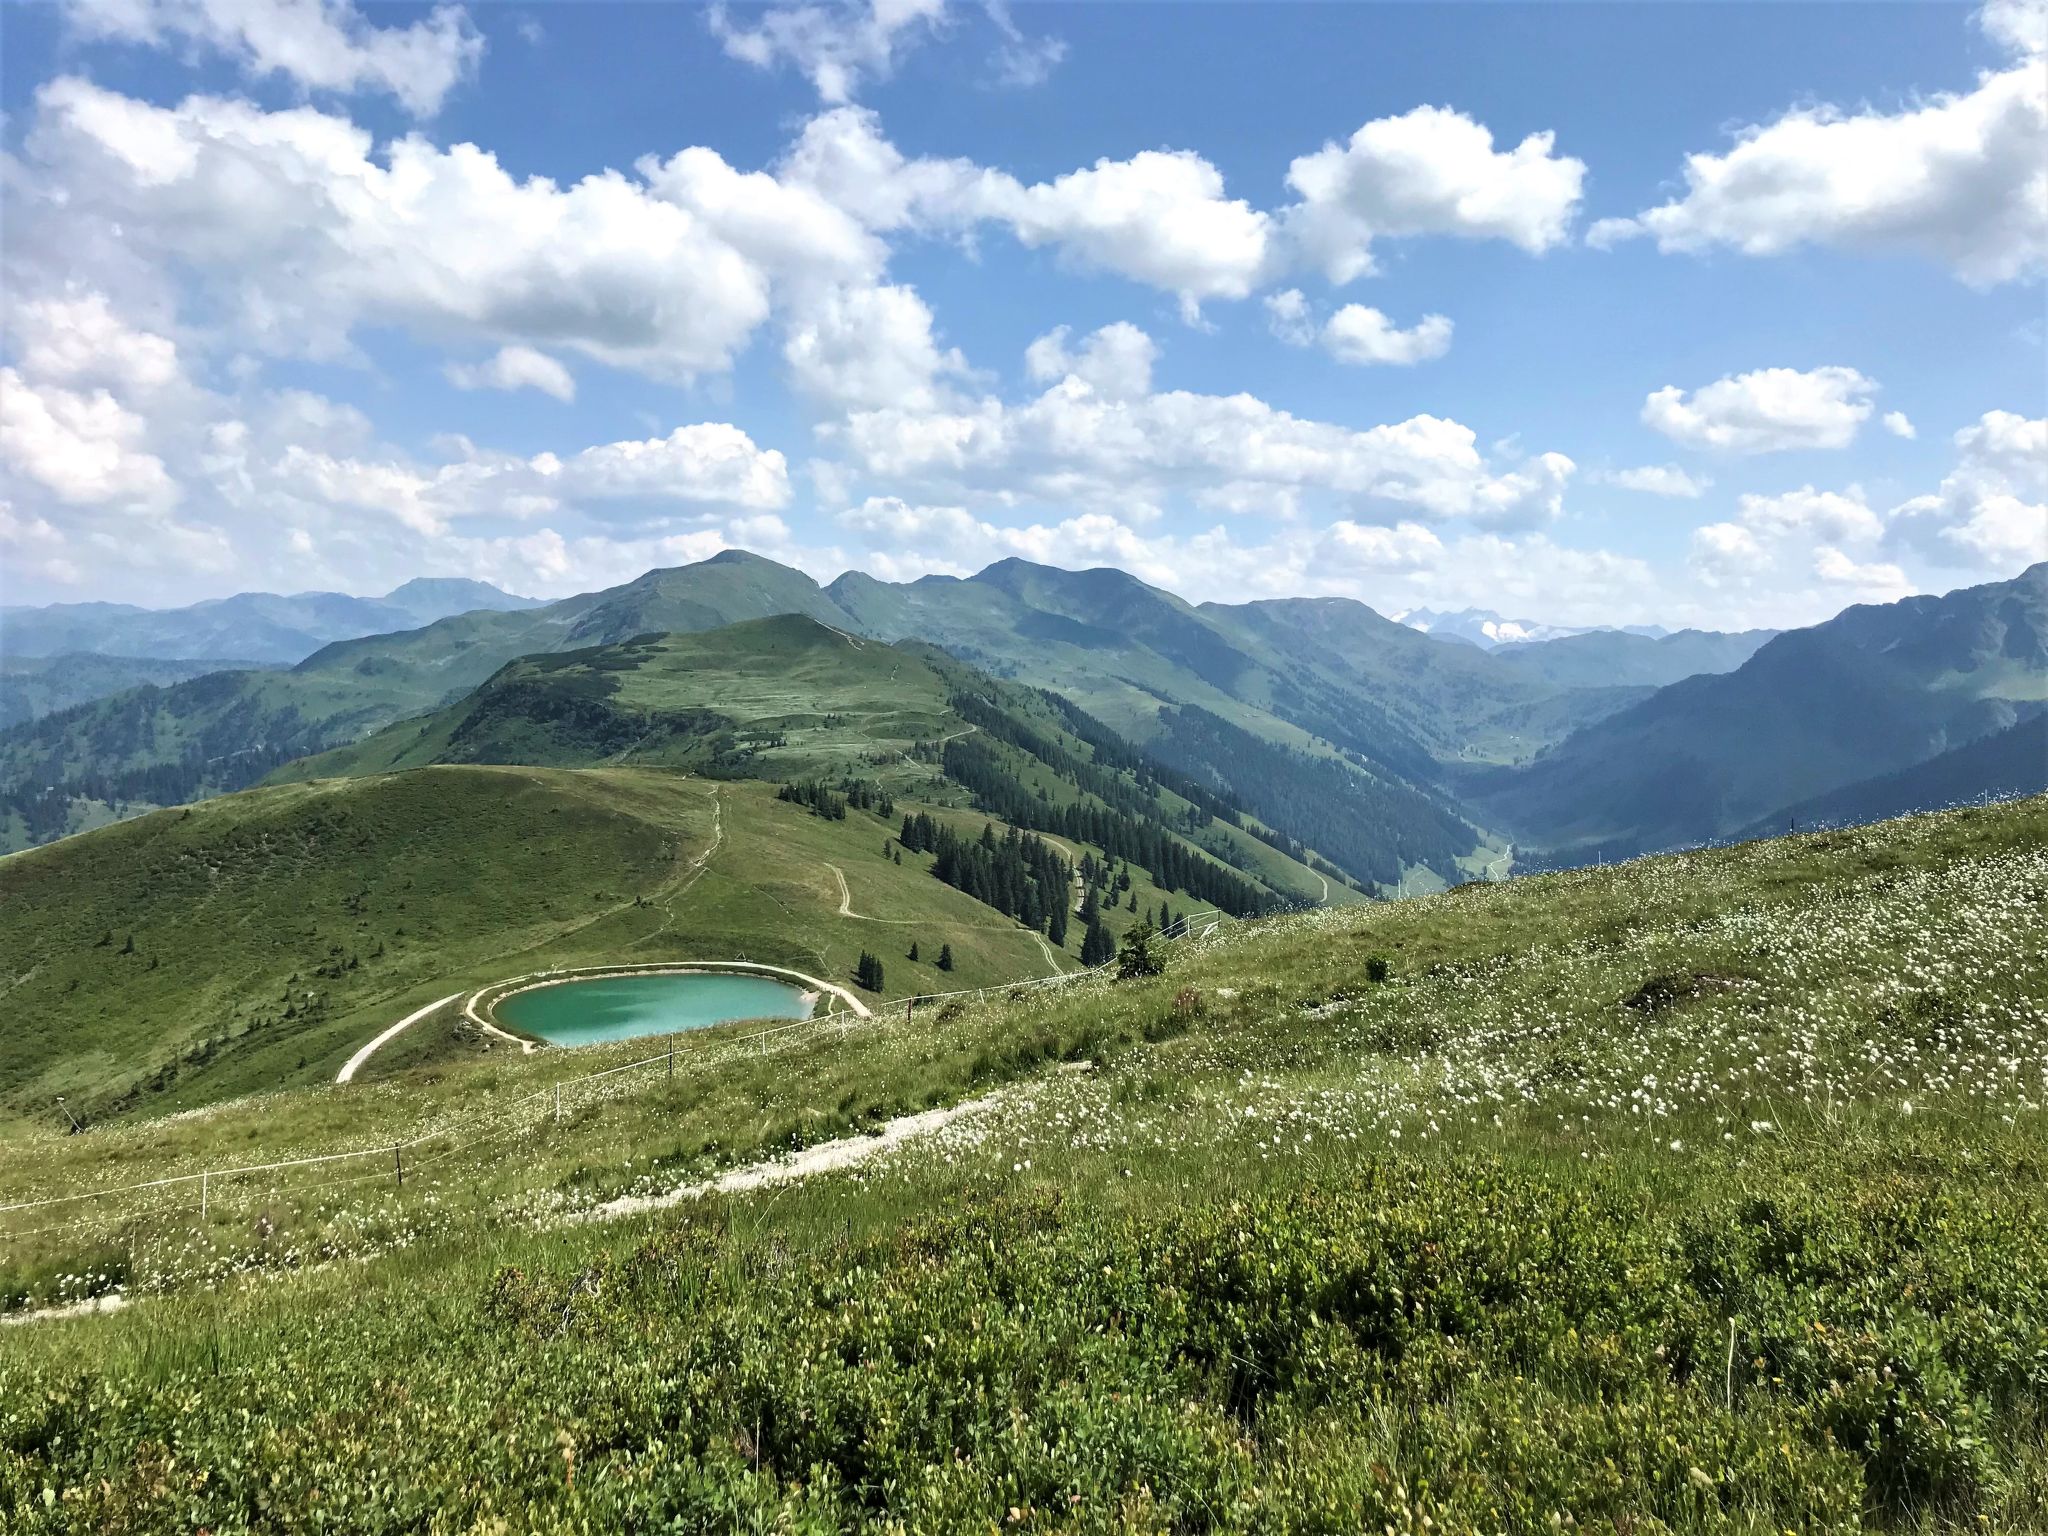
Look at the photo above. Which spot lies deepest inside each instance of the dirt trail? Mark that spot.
(826, 1157)
(355, 1062)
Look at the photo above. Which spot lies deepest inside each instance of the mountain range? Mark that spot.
(258, 627)
(1487, 630)
(1341, 729)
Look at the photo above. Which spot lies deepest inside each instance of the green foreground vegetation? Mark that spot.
(1696, 1194)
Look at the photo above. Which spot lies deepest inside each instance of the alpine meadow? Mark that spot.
(914, 767)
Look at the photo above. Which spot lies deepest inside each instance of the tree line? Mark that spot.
(1174, 866)
(1022, 877)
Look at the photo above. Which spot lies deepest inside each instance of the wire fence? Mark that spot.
(197, 1191)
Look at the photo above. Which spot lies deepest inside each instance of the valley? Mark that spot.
(1567, 746)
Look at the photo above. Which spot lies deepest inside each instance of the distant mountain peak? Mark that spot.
(1486, 629)
(454, 587)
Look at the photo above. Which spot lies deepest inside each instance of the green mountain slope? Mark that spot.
(152, 747)
(34, 686)
(2010, 762)
(1872, 691)
(792, 699)
(1608, 1200)
(258, 938)
(1612, 658)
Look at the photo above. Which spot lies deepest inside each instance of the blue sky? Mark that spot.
(1713, 314)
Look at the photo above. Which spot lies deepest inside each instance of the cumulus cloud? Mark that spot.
(1791, 539)
(1873, 581)
(1092, 438)
(515, 367)
(1991, 511)
(1289, 317)
(868, 345)
(1355, 333)
(83, 448)
(1164, 217)
(320, 45)
(1833, 515)
(1431, 171)
(118, 462)
(1958, 178)
(1767, 411)
(294, 228)
(75, 337)
(1115, 362)
(836, 47)
(1899, 424)
(1658, 480)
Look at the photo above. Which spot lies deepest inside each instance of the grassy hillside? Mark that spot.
(781, 697)
(790, 698)
(257, 939)
(1699, 1194)
(151, 747)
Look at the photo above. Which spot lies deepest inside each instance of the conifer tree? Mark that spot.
(912, 956)
(1140, 955)
(945, 957)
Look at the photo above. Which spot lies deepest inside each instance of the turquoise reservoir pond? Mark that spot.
(620, 1007)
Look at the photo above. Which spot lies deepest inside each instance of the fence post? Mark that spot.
(398, 1160)
(671, 1066)
(558, 1103)
(202, 1195)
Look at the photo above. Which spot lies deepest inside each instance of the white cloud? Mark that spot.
(321, 45)
(1356, 334)
(1899, 424)
(1780, 545)
(1164, 217)
(83, 448)
(1961, 179)
(2020, 26)
(1021, 61)
(704, 469)
(1115, 362)
(1991, 512)
(77, 338)
(1160, 217)
(1088, 440)
(1658, 480)
(1833, 515)
(1288, 316)
(866, 346)
(515, 367)
(292, 228)
(1873, 581)
(1431, 171)
(1726, 550)
(1766, 411)
(836, 47)
(710, 463)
